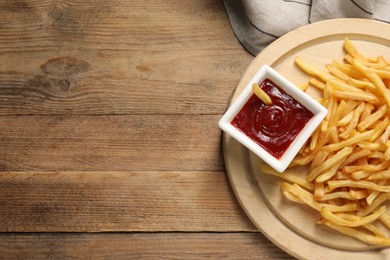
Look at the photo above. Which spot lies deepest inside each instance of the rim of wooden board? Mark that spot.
(258, 194)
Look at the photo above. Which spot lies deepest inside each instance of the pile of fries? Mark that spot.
(348, 157)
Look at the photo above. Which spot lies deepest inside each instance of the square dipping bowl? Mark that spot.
(280, 162)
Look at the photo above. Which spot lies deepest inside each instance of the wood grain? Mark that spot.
(118, 201)
(108, 122)
(133, 84)
(140, 246)
(134, 61)
(116, 143)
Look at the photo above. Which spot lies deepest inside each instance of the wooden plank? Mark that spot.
(117, 57)
(129, 83)
(119, 201)
(116, 143)
(115, 25)
(139, 246)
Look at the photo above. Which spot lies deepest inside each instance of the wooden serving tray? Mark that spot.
(290, 226)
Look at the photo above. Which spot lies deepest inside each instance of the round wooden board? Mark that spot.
(290, 226)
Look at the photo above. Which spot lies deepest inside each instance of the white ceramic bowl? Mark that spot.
(319, 113)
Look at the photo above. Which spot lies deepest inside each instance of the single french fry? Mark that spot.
(370, 120)
(337, 195)
(358, 184)
(327, 93)
(319, 190)
(358, 194)
(383, 62)
(292, 197)
(373, 147)
(373, 195)
(332, 107)
(376, 155)
(378, 201)
(326, 213)
(367, 111)
(378, 62)
(338, 157)
(303, 159)
(359, 175)
(303, 86)
(387, 154)
(366, 85)
(382, 73)
(379, 129)
(367, 167)
(349, 207)
(345, 120)
(314, 140)
(323, 138)
(351, 50)
(302, 194)
(350, 106)
(347, 69)
(317, 84)
(353, 122)
(334, 134)
(336, 72)
(312, 70)
(374, 229)
(319, 158)
(337, 84)
(360, 235)
(355, 155)
(385, 136)
(288, 175)
(385, 218)
(374, 78)
(260, 93)
(356, 96)
(326, 175)
(379, 175)
(351, 141)
(348, 58)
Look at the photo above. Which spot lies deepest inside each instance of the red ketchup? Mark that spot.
(273, 127)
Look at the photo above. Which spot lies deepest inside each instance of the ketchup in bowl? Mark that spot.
(274, 127)
(277, 131)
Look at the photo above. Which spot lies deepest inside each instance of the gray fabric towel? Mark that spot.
(257, 23)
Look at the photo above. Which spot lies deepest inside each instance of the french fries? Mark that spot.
(347, 158)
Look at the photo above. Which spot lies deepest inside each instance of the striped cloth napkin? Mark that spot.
(257, 23)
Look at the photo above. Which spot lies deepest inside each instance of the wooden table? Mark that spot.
(110, 146)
